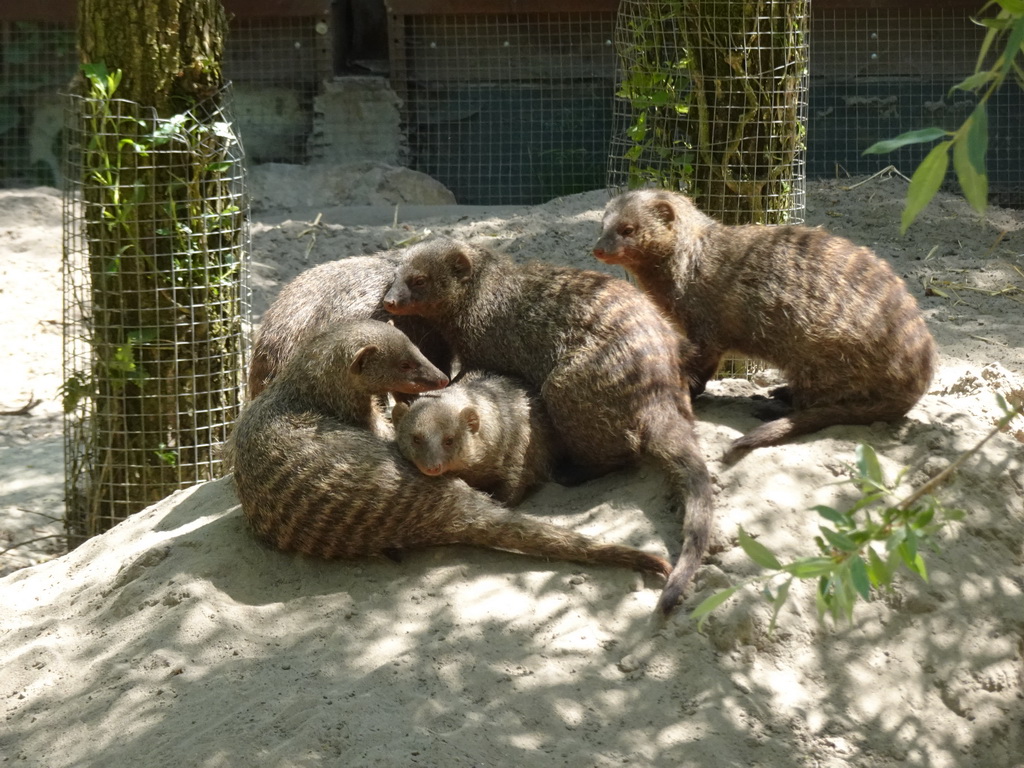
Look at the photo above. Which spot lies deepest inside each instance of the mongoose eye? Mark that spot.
(627, 230)
(449, 442)
(407, 365)
(418, 282)
(416, 439)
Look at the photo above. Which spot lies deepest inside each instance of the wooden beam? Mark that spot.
(65, 11)
(454, 7)
(56, 11)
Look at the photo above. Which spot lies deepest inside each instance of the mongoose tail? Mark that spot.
(812, 419)
(516, 532)
(678, 457)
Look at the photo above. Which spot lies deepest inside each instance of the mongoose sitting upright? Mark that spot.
(604, 359)
(490, 430)
(835, 319)
(314, 475)
(346, 289)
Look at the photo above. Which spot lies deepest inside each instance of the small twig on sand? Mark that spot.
(888, 169)
(31, 541)
(26, 409)
(940, 478)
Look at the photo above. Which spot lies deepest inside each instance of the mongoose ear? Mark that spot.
(398, 413)
(391, 322)
(663, 210)
(361, 358)
(462, 264)
(471, 418)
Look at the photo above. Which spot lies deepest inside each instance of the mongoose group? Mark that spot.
(564, 374)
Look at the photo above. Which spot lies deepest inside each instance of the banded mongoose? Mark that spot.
(314, 474)
(346, 289)
(604, 359)
(490, 430)
(838, 323)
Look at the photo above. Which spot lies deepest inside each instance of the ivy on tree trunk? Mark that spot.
(164, 232)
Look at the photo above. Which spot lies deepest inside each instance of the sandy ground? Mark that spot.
(175, 639)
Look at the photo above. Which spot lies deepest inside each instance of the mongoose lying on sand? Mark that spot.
(490, 430)
(607, 364)
(314, 474)
(835, 319)
(346, 289)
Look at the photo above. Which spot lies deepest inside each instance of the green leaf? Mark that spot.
(969, 152)
(906, 555)
(700, 613)
(859, 576)
(910, 137)
(924, 517)
(925, 183)
(832, 515)
(910, 542)
(868, 468)
(1013, 46)
(810, 567)
(840, 541)
(975, 81)
(878, 572)
(919, 567)
(758, 552)
(780, 600)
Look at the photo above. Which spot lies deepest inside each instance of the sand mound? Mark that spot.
(176, 639)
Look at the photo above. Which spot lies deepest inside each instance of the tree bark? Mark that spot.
(170, 51)
(164, 229)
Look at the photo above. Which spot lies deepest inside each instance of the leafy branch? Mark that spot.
(864, 546)
(969, 142)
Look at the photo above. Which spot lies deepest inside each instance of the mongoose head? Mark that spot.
(435, 435)
(641, 226)
(370, 356)
(431, 278)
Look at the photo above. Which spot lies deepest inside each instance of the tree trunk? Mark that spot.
(712, 101)
(170, 51)
(158, 181)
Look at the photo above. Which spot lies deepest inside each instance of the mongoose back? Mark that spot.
(604, 359)
(835, 319)
(346, 289)
(490, 430)
(314, 474)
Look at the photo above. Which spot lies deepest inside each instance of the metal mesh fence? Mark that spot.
(277, 59)
(278, 66)
(712, 101)
(156, 303)
(37, 58)
(505, 108)
(878, 72)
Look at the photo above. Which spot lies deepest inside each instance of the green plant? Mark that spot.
(161, 303)
(861, 548)
(969, 142)
(655, 82)
(714, 91)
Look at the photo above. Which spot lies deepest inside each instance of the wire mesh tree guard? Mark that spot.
(156, 300)
(712, 101)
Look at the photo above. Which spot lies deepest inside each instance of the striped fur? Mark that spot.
(834, 318)
(604, 359)
(316, 472)
(489, 430)
(346, 289)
